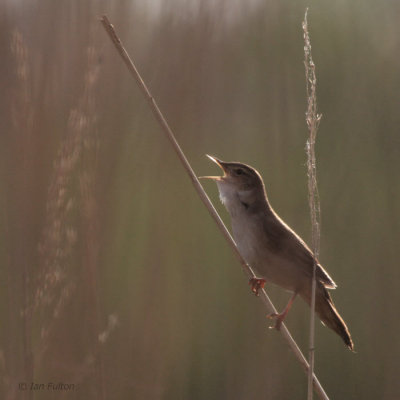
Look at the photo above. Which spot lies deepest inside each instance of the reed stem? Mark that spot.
(202, 194)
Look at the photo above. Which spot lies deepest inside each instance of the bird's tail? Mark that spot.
(329, 316)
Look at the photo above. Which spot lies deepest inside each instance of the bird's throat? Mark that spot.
(236, 201)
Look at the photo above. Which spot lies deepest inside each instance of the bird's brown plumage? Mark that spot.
(270, 246)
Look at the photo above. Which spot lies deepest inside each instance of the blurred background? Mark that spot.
(113, 276)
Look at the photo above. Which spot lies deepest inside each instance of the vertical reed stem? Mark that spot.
(313, 120)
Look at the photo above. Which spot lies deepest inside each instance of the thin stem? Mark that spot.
(202, 194)
(313, 120)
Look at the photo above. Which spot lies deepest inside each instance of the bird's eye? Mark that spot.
(239, 171)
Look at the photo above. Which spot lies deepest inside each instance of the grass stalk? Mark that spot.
(23, 124)
(312, 119)
(202, 194)
(74, 171)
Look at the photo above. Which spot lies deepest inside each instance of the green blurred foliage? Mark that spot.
(138, 260)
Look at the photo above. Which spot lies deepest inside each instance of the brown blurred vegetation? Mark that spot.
(113, 276)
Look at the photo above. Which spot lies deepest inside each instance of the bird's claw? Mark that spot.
(256, 284)
(279, 319)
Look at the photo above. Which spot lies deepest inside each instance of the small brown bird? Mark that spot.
(276, 253)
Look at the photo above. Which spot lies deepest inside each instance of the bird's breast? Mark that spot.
(245, 233)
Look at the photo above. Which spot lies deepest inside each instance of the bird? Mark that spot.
(275, 252)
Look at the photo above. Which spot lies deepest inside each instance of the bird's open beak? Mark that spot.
(220, 164)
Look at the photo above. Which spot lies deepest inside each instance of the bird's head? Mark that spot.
(239, 181)
(242, 176)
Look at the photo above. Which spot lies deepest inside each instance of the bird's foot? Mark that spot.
(280, 317)
(256, 284)
(278, 320)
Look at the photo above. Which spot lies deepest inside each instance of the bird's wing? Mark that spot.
(291, 246)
